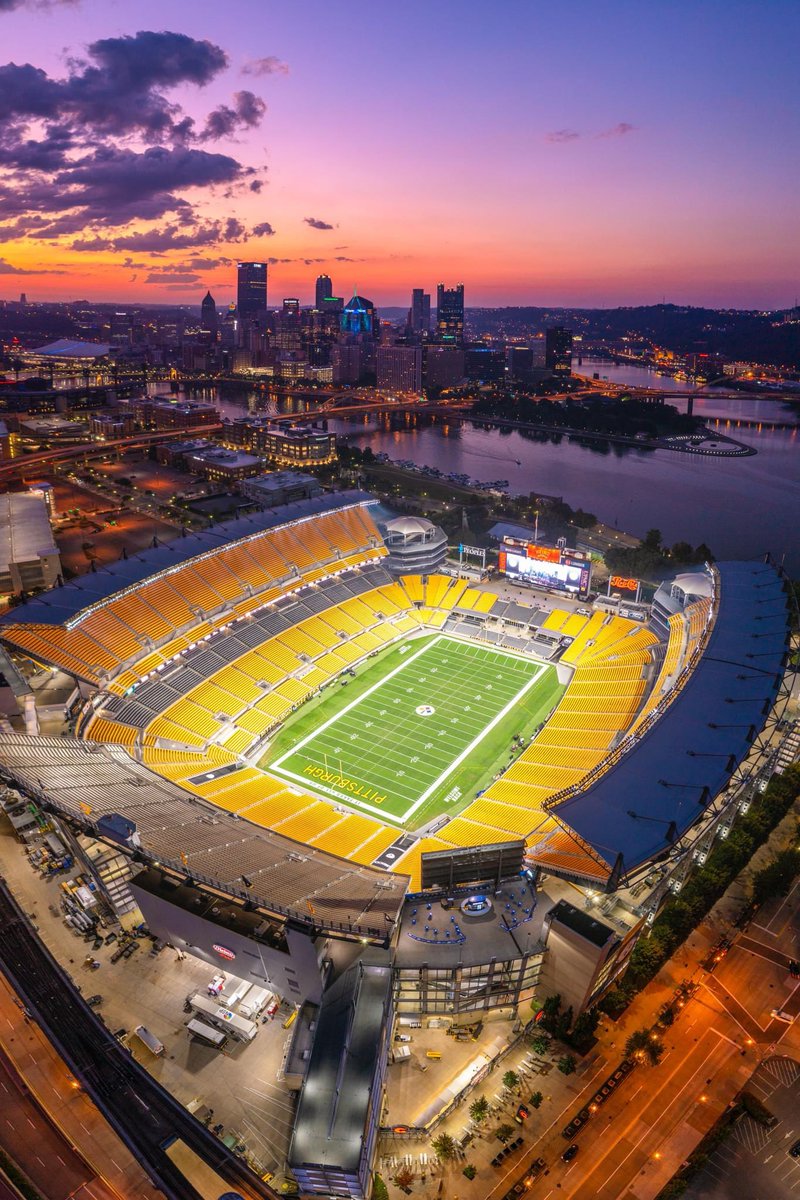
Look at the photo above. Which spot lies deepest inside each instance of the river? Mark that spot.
(739, 507)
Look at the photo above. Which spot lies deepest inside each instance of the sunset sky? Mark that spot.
(568, 152)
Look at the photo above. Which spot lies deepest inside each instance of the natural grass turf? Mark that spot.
(365, 745)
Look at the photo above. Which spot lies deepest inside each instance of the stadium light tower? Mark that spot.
(672, 828)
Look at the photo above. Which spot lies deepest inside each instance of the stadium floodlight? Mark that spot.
(672, 828)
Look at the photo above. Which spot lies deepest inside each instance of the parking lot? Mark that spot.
(241, 1083)
(754, 1162)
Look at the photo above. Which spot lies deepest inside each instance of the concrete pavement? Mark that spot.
(110, 1169)
(643, 1133)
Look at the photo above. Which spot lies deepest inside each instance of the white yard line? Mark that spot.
(314, 786)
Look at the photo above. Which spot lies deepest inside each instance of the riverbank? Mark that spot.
(704, 442)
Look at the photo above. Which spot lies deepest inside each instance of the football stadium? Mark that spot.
(491, 797)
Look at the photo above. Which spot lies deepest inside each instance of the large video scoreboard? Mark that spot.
(560, 570)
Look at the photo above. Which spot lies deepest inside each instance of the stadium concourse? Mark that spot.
(190, 657)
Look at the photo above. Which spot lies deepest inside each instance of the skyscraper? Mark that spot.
(324, 290)
(251, 291)
(450, 313)
(208, 318)
(399, 368)
(420, 311)
(558, 350)
(358, 316)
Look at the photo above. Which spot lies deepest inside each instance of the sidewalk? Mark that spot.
(705, 1044)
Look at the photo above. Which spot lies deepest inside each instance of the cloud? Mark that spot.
(176, 276)
(207, 264)
(248, 111)
(562, 136)
(107, 145)
(263, 66)
(619, 130)
(559, 136)
(176, 236)
(119, 89)
(315, 223)
(9, 5)
(7, 268)
(92, 243)
(310, 262)
(113, 186)
(262, 230)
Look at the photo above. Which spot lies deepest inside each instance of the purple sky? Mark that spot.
(551, 153)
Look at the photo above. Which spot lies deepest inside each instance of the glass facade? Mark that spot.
(465, 989)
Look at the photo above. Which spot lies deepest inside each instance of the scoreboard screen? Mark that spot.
(546, 567)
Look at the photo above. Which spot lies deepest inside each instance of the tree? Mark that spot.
(563, 1024)
(652, 539)
(536, 1099)
(479, 1109)
(540, 1043)
(584, 1028)
(551, 1010)
(443, 1146)
(682, 552)
(754, 1108)
(566, 1065)
(511, 1080)
(404, 1177)
(504, 1132)
(777, 877)
(666, 1016)
(645, 1047)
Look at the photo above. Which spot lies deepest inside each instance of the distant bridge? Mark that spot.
(27, 464)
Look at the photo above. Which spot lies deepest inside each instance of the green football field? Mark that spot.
(419, 730)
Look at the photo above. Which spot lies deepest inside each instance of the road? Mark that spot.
(142, 1113)
(38, 1147)
(755, 1153)
(643, 1133)
(31, 464)
(82, 1137)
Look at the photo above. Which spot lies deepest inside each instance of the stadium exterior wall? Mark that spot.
(292, 969)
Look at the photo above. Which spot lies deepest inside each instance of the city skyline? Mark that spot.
(589, 160)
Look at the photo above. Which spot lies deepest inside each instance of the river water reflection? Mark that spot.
(739, 507)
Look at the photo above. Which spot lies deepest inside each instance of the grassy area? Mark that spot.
(416, 484)
(420, 730)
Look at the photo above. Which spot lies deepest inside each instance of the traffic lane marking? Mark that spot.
(712, 983)
(762, 951)
(655, 1099)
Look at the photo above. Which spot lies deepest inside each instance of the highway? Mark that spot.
(38, 1148)
(31, 1068)
(143, 1114)
(29, 464)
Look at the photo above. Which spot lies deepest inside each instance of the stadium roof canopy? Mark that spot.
(88, 783)
(337, 1091)
(61, 604)
(657, 791)
(64, 348)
